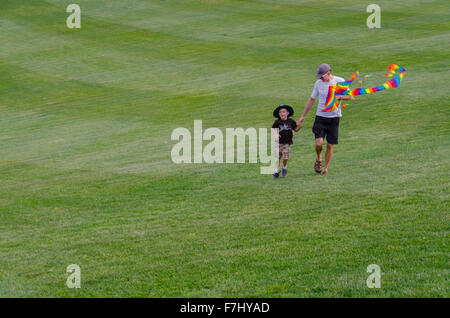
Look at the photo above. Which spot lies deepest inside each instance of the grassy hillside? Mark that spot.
(86, 175)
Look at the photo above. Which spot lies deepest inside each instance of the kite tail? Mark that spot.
(392, 83)
(342, 88)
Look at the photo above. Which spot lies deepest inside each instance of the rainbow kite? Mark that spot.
(342, 88)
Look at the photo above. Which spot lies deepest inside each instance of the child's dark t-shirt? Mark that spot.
(285, 129)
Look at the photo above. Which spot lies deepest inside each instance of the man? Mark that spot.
(326, 124)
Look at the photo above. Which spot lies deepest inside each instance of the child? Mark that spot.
(285, 126)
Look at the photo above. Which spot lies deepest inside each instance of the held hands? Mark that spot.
(299, 124)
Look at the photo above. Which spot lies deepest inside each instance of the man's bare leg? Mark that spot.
(328, 156)
(319, 143)
(318, 163)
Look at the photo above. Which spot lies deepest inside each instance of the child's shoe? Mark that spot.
(276, 174)
(284, 173)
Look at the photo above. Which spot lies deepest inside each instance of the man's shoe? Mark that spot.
(318, 166)
(284, 173)
(276, 175)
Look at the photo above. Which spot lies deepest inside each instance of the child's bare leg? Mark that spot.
(278, 164)
(284, 168)
(278, 170)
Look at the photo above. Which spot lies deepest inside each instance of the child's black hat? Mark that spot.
(276, 112)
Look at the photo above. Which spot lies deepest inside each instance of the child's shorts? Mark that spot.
(285, 151)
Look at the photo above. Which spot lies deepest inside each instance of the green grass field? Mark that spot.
(87, 178)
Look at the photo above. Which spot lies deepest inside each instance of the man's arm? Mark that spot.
(308, 106)
(343, 97)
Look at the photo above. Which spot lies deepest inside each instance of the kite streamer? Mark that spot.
(361, 79)
(342, 88)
